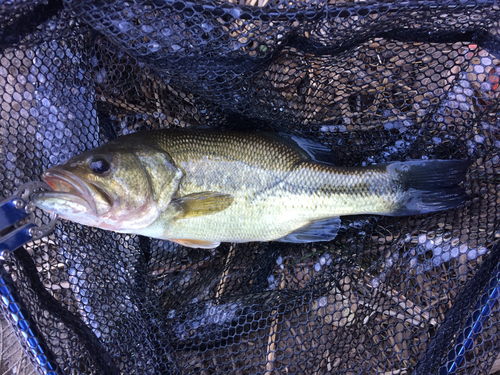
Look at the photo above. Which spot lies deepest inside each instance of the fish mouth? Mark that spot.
(85, 192)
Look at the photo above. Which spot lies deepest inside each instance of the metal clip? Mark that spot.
(17, 218)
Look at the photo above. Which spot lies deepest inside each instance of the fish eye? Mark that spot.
(99, 165)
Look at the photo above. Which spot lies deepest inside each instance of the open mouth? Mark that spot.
(67, 183)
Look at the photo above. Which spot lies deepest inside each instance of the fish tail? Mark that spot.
(429, 185)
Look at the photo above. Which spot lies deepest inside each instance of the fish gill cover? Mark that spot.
(374, 82)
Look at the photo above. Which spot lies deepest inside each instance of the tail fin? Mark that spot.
(429, 185)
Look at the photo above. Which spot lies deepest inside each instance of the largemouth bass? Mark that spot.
(200, 188)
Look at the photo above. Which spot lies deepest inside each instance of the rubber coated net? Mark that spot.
(375, 82)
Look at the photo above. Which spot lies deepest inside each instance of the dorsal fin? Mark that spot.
(307, 148)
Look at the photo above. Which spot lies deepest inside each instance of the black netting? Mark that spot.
(375, 82)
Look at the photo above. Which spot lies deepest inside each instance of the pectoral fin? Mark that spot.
(197, 243)
(319, 230)
(201, 204)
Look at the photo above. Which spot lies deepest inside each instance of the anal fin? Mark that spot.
(197, 244)
(319, 230)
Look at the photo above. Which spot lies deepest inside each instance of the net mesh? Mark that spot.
(375, 82)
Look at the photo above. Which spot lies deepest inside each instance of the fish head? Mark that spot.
(113, 187)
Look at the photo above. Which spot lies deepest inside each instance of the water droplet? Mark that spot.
(206, 27)
(235, 12)
(153, 47)
(125, 26)
(147, 28)
(166, 31)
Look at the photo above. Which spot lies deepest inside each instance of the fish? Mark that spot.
(199, 188)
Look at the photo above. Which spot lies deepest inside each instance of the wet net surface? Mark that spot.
(375, 82)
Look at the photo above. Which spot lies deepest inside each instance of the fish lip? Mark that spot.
(66, 182)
